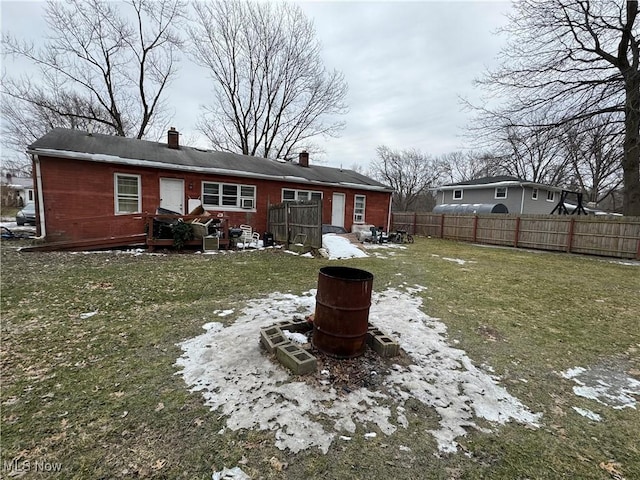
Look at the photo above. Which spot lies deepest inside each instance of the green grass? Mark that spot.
(100, 395)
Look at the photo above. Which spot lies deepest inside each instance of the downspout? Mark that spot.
(522, 201)
(389, 213)
(42, 223)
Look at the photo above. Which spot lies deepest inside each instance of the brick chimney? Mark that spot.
(303, 158)
(172, 138)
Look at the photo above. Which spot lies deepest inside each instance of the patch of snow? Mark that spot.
(455, 260)
(296, 337)
(215, 326)
(84, 316)
(340, 247)
(370, 435)
(307, 255)
(588, 413)
(629, 263)
(234, 473)
(251, 391)
(223, 313)
(607, 386)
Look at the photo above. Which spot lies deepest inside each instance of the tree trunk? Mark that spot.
(631, 158)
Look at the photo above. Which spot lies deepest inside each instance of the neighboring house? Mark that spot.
(16, 191)
(91, 186)
(490, 194)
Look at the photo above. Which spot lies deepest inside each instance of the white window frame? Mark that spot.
(359, 212)
(534, 194)
(117, 196)
(461, 191)
(552, 194)
(300, 195)
(496, 196)
(244, 200)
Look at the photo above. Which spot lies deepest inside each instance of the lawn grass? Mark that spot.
(100, 395)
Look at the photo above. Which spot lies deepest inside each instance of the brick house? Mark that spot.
(93, 186)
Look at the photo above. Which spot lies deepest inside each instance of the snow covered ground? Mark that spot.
(235, 377)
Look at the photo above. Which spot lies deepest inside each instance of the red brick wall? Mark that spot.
(79, 199)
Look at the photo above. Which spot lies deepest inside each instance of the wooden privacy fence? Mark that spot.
(606, 236)
(296, 222)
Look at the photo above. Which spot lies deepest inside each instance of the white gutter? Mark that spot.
(43, 225)
(522, 201)
(212, 170)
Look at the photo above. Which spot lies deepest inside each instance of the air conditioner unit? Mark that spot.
(247, 203)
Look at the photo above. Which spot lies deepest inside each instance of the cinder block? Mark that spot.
(296, 359)
(271, 338)
(371, 334)
(385, 346)
(299, 325)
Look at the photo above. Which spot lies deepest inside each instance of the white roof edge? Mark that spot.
(509, 183)
(97, 157)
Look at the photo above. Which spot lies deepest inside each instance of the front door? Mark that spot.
(337, 209)
(172, 194)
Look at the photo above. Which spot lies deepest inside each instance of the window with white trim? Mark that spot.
(534, 194)
(127, 193)
(228, 196)
(501, 192)
(359, 207)
(551, 196)
(457, 194)
(292, 195)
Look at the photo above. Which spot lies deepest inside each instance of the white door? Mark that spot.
(337, 209)
(172, 194)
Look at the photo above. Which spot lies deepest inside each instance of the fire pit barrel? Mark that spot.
(342, 311)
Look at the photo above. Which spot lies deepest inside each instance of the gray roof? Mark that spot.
(77, 144)
(496, 181)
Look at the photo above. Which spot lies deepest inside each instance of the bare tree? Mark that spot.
(409, 172)
(593, 151)
(102, 68)
(575, 59)
(464, 166)
(272, 93)
(534, 154)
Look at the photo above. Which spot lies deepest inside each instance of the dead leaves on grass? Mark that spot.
(612, 468)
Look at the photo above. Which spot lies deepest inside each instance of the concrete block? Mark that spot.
(373, 332)
(299, 325)
(385, 346)
(271, 338)
(296, 359)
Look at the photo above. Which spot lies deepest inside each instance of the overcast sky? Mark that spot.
(406, 64)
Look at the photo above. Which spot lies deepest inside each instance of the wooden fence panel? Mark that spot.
(277, 222)
(606, 236)
(296, 222)
(598, 237)
(305, 223)
(459, 227)
(544, 232)
(496, 230)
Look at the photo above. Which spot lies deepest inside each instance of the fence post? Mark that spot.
(638, 251)
(516, 233)
(475, 228)
(442, 226)
(570, 234)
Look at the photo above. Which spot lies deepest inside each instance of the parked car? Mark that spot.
(27, 215)
(332, 229)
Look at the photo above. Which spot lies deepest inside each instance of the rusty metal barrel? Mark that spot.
(342, 311)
